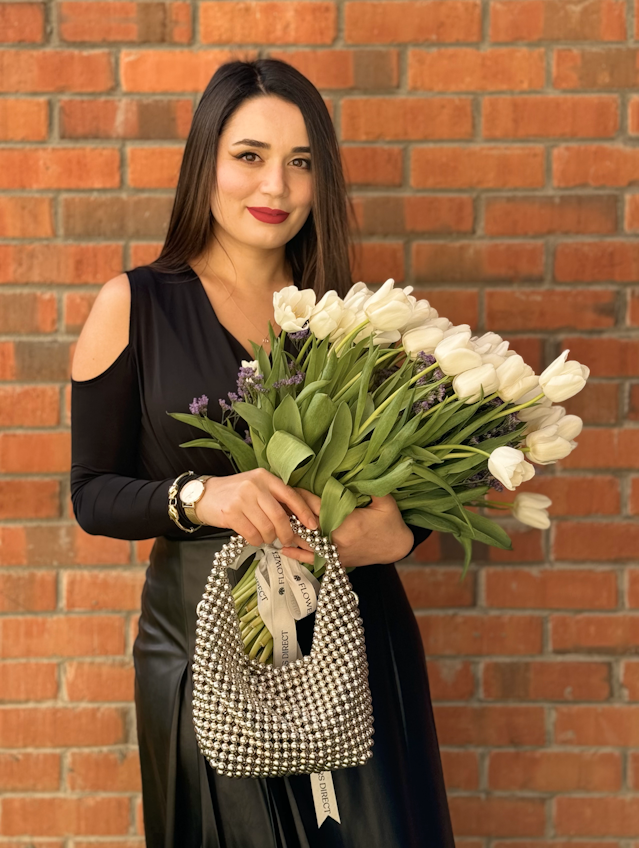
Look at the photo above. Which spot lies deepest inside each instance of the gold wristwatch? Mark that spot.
(190, 493)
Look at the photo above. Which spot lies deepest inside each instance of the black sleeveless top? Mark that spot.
(125, 449)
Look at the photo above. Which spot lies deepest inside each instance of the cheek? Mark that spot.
(233, 181)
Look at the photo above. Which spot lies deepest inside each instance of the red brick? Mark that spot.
(597, 816)
(550, 588)
(168, 71)
(576, 495)
(465, 633)
(34, 452)
(527, 547)
(630, 668)
(555, 771)
(606, 357)
(29, 406)
(450, 680)
(26, 216)
(388, 214)
(13, 545)
(339, 68)
(461, 769)
(23, 120)
(595, 165)
(64, 543)
(28, 681)
(596, 403)
(379, 166)
(458, 305)
(103, 590)
(27, 591)
(631, 213)
(29, 771)
(55, 71)
(633, 309)
(62, 635)
(99, 681)
(588, 262)
(633, 115)
(600, 69)
(553, 20)
(536, 216)
(113, 118)
(473, 816)
(533, 309)
(479, 166)
(142, 550)
(59, 168)
(633, 574)
(473, 261)
(154, 167)
(490, 725)
(277, 23)
(546, 681)
(422, 21)
(59, 816)
(21, 23)
(60, 263)
(596, 541)
(594, 634)
(436, 587)
(169, 23)
(7, 361)
(530, 348)
(611, 725)
(26, 312)
(470, 69)
(47, 727)
(97, 771)
(548, 116)
(398, 118)
(77, 306)
(621, 451)
(378, 261)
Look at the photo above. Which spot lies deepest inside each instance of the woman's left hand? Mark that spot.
(375, 533)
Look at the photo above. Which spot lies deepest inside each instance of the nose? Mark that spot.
(274, 180)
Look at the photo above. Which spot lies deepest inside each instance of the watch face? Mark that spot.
(191, 491)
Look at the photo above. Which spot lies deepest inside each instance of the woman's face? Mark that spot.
(259, 164)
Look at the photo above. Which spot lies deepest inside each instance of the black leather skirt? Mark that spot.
(396, 800)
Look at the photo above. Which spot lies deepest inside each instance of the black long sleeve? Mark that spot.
(108, 497)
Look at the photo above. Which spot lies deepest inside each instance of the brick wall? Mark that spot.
(492, 152)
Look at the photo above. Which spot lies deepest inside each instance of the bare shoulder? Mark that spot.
(105, 333)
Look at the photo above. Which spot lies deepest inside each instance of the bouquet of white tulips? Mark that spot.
(384, 396)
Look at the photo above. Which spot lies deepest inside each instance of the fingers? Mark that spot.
(311, 499)
(299, 554)
(279, 518)
(297, 504)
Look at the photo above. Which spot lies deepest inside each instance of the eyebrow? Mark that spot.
(251, 142)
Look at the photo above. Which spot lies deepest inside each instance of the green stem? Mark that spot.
(463, 447)
(348, 338)
(345, 388)
(517, 408)
(308, 341)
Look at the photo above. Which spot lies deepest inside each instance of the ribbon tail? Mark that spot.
(324, 797)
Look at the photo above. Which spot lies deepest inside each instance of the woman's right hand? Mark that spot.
(252, 503)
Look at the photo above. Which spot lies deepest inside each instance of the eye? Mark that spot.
(251, 153)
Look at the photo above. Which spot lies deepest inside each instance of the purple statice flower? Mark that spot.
(424, 360)
(506, 425)
(199, 405)
(436, 396)
(484, 478)
(302, 334)
(247, 437)
(380, 376)
(438, 374)
(293, 380)
(225, 405)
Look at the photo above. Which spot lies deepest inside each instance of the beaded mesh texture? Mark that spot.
(312, 714)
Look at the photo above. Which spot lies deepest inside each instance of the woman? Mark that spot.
(161, 335)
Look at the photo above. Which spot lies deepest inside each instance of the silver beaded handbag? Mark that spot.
(313, 714)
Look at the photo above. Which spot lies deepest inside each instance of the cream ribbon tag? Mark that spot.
(287, 591)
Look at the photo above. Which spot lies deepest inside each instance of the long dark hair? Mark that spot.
(319, 252)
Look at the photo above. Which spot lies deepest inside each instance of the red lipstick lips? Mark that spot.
(268, 216)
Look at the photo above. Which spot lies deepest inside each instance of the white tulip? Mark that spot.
(442, 323)
(356, 296)
(515, 378)
(389, 308)
(509, 466)
(561, 380)
(421, 338)
(486, 342)
(569, 427)
(528, 412)
(467, 385)
(531, 508)
(541, 416)
(454, 356)
(459, 328)
(547, 446)
(422, 312)
(293, 307)
(251, 363)
(326, 315)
